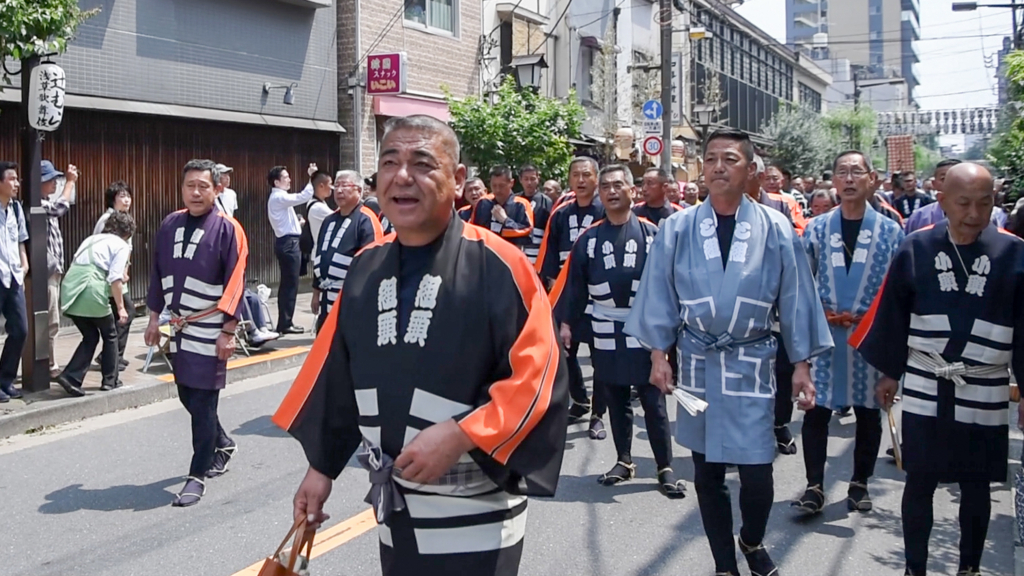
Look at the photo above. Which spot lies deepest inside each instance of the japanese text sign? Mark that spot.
(385, 74)
(46, 88)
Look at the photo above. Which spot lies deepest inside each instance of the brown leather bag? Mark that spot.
(302, 540)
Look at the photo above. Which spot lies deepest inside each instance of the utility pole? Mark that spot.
(666, 83)
(35, 357)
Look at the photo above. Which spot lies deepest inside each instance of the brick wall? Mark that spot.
(207, 53)
(434, 61)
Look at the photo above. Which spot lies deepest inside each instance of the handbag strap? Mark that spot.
(303, 539)
(280, 548)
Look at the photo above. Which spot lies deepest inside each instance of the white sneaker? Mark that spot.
(263, 335)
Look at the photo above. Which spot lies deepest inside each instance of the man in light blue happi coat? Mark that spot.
(713, 282)
(850, 249)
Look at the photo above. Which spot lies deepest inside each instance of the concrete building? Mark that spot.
(756, 75)
(880, 36)
(154, 83)
(880, 94)
(441, 43)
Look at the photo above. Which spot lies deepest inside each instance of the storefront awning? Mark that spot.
(408, 106)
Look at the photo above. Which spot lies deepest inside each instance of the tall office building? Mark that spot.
(878, 36)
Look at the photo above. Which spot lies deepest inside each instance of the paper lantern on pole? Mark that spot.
(47, 84)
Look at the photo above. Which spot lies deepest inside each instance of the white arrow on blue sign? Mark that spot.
(652, 109)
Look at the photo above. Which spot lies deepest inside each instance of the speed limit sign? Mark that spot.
(652, 145)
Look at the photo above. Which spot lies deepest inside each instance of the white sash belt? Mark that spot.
(955, 371)
(610, 313)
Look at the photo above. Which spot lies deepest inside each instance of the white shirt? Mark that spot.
(228, 202)
(281, 210)
(109, 253)
(317, 212)
(12, 233)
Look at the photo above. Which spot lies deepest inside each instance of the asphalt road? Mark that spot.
(93, 499)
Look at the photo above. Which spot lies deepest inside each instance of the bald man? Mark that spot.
(952, 337)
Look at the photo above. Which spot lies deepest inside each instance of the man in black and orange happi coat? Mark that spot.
(453, 448)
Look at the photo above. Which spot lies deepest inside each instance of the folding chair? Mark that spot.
(163, 348)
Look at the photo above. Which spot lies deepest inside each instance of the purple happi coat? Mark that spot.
(198, 267)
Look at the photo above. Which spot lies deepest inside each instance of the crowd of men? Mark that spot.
(738, 295)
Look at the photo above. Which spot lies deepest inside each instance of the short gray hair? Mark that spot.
(430, 125)
(351, 175)
(759, 163)
(210, 166)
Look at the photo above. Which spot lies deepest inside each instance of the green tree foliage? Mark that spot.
(806, 142)
(1006, 152)
(37, 27)
(803, 143)
(851, 128)
(925, 160)
(519, 127)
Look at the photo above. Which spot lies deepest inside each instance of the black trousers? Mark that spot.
(757, 490)
(784, 387)
(918, 515)
(620, 412)
(123, 329)
(12, 306)
(93, 331)
(207, 433)
(289, 258)
(865, 450)
(577, 388)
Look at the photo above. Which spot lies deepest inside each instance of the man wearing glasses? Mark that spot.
(343, 233)
(850, 250)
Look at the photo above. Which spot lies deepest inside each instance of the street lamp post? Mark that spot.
(704, 114)
(1012, 5)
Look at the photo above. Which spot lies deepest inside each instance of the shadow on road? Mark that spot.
(124, 497)
(260, 426)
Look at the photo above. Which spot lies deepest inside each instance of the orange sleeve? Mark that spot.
(519, 402)
(235, 286)
(315, 361)
(378, 231)
(522, 232)
(560, 282)
(798, 214)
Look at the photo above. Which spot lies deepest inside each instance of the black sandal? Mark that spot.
(620, 473)
(812, 501)
(857, 498)
(191, 493)
(668, 485)
(221, 457)
(597, 431)
(758, 560)
(784, 440)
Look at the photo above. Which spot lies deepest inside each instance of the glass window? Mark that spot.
(432, 14)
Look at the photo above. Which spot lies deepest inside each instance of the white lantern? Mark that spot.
(46, 88)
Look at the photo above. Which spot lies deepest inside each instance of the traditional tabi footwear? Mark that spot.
(577, 412)
(191, 493)
(758, 561)
(668, 485)
(620, 473)
(969, 572)
(221, 457)
(784, 440)
(812, 501)
(857, 498)
(910, 572)
(597, 431)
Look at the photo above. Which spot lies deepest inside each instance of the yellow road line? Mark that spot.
(330, 538)
(243, 362)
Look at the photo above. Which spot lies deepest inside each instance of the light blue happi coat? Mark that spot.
(719, 321)
(843, 378)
